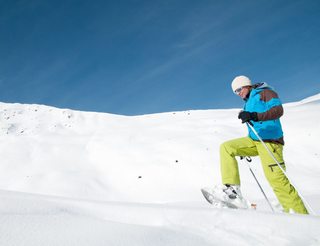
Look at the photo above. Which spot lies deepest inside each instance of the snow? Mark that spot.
(83, 178)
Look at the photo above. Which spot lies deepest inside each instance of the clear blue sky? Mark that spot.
(138, 57)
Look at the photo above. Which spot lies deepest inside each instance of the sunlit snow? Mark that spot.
(81, 178)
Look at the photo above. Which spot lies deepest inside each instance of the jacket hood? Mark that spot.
(262, 85)
(257, 88)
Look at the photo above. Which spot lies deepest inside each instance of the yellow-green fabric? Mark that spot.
(285, 192)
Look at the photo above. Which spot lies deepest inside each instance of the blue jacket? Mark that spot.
(269, 129)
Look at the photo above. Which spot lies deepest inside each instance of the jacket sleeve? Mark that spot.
(273, 102)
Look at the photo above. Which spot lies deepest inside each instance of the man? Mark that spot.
(263, 109)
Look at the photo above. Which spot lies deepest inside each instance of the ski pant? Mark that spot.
(285, 192)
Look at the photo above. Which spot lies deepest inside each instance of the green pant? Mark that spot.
(285, 192)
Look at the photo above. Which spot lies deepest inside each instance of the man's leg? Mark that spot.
(285, 192)
(228, 163)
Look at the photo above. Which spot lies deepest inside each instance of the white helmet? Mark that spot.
(239, 82)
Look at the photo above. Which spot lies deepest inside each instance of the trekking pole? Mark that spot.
(264, 194)
(284, 172)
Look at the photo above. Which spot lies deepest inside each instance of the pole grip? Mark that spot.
(250, 123)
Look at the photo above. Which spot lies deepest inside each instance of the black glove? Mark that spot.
(246, 116)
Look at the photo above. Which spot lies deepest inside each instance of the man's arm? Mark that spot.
(276, 110)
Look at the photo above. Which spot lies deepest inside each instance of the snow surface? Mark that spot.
(81, 178)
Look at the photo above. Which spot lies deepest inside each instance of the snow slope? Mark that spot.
(79, 178)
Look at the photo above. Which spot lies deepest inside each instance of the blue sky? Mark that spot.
(138, 57)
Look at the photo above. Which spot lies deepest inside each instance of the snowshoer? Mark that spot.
(263, 109)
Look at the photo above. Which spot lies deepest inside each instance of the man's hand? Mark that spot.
(246, 116)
